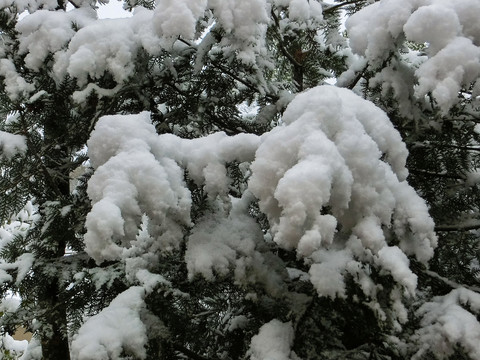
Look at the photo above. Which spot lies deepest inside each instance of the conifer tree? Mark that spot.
(182, 183)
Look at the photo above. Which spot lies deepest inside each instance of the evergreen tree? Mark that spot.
(182, 183)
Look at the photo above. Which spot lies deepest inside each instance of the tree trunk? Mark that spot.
(52, 296)
(55, 339)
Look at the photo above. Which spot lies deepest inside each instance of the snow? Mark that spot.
(18, 226)
(33, 351)
(11, 144)
(393, 259)
(333, 150)
(435, 24)
(112, 45)
(217, 242)
(130, 183)
(456, 64)
(447, 27)
(374, 30)
(9, 304)
(106, 45)
(138, 172)
(328, 154)
(116, 329)
(174, 18)
(273, 341)
(245, 24)
(11, 344)
(16, 87)
(301, 10)
(327, 273)
(447, 324)
(331, 178)
(45, 32)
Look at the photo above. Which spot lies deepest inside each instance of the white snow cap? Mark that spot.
(446, 324)
(217, 243)
(16, 86)
(337, 162)
(273, 341)
(174, 18)
(45, 32)
(139, 172)
(11, 144)
(131, 181)
(328, 155)
(450, 29)
(115, 330)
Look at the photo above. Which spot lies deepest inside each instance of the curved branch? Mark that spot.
(281, 40)
(332, 8)
(437, 174)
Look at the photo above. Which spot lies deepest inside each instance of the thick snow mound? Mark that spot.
(449, 28)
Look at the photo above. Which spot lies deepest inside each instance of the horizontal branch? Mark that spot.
(460, 227)
(432, 144)
(437, 174)
(450, 283)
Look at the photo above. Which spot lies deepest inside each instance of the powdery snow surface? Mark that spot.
(16, 87)
(138, 172)
(336, 161)
(117, 329)
(328, 154)
(447, 324)
(129, 182)
(175, 18)
(273, 341)
(18, 226)
(46, 32)
(219, 243)
(12, 345)
(11, 144)
(449, 28)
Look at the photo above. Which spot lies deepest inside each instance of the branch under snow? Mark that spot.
(11, 144)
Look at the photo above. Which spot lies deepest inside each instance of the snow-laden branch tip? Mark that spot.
(335, 162)
(11, 144)
(448, 27)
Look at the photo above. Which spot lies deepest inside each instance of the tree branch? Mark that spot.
(281, 40)
(436, 174)
(459, 227)
(74, 4)
(332, 8)
(449, 282)
(357, 78)
(431, 144)
(232, 75)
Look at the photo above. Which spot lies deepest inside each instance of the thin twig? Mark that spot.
(335, 7)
